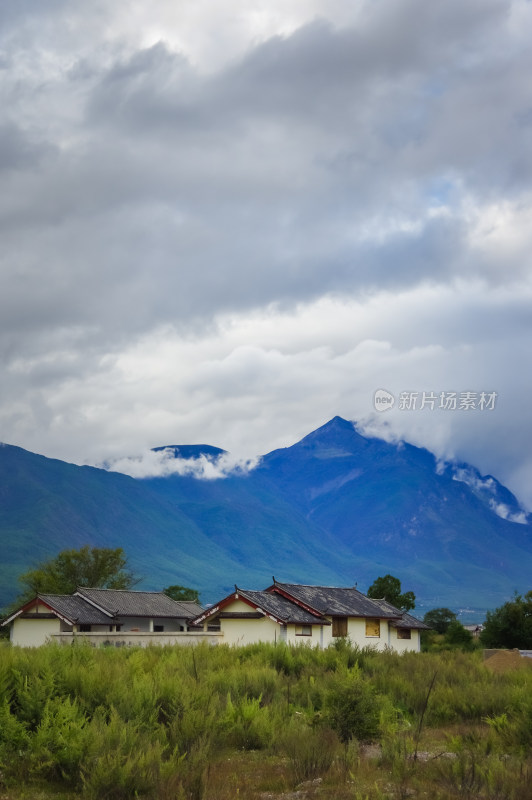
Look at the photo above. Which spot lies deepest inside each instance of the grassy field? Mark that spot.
(261, 722)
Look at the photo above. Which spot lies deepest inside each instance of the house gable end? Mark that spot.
(238, 594)
(34, 603)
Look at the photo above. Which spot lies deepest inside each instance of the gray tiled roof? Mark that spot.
(123, 603)
(337, 601)
(408, 621)
(405, 620)
(281, 608)
(188, 608)
(75, 609)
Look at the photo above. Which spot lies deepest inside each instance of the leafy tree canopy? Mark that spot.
(457, 636)
(95, 567)
(389, 588)
(439, 619)
(177, 592)
(510, 625)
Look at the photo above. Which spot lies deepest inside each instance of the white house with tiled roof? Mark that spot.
(284, 612)
(247, 616)
(103, 616)
(316, 615)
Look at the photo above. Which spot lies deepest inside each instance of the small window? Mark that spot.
(339, 626)
(303, 630)
(158, 628)
(85, 628)
(373, 628)
(404, 633)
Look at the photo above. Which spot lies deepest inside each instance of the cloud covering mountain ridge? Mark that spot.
(222, 222)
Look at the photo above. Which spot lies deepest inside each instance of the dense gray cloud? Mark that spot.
(180, 184)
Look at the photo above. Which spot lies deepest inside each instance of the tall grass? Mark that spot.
(161, 722)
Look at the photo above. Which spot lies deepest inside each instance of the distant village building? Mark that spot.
(474, 630)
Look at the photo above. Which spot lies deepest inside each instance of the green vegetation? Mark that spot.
(510, 625)
(177, 592)
(215, 723)
(439, 619)
(97, 567)
(389, 588)
(456, 637)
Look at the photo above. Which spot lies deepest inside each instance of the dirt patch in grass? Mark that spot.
(505, 661)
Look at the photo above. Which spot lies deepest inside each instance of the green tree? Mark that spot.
(389, 588)
(95, 567)
(439, 619)
(457, 636)
(177, 592)
(510, 625)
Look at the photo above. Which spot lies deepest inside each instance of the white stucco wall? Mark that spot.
(143, 624)
(405, 645)
(248, 631)
(140, 639)
(292, 637)
(356, 631)
(33, 632)
(239, 605)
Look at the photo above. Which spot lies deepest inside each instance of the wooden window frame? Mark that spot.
(404, 633)
(303, 630)
(339, 627)
(373, 625)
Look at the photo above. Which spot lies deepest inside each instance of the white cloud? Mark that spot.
(466, 475)
(255, 382)
(163, 463)
(503, 511)
(230, 223)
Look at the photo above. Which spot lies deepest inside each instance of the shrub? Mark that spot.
(14, 743)
(353, 709)
(247, 723)
(122, 761)
(31, 693)
(59, 745)
(310, 751)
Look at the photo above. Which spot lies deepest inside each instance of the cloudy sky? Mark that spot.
(229, 222)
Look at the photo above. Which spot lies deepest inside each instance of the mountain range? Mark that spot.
(336, 508)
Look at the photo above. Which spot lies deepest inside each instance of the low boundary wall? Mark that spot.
(139, 638)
